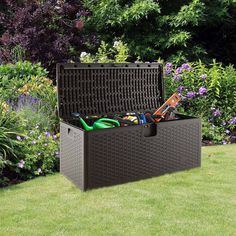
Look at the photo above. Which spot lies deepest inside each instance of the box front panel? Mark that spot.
(126, 154)
(72, 154)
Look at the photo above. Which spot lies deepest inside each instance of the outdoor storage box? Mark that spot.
(105, 157)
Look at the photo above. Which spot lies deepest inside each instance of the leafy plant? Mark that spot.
(208, 92)
(175, 31)
(48, 31)
(118, 53)
(40, 153)
(14, 76)
(9, 147)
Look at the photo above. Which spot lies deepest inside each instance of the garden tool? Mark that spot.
(143, 119)
(134, 118)
(124, 122)
(167, 107)
(102, 123)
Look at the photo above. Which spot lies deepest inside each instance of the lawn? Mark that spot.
(201, 201)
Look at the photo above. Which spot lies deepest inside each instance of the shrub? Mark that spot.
(208, 92)
(41, 92)
(40, 151)
(31, 151)
(118, 53)
(26, 89)
(28, 111)
(47, 31)
(14, 76)
(176, 30)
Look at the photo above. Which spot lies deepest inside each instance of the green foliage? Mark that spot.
(40, 153)
(28, 110)
(14, 76)
(42, 90)
(208, 92)
(172, 30)
(9, 146)
(105, 54)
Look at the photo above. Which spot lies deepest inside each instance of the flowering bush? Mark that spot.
(208, 92)
(41, 154)
(28, 100)
(25, 152)
(41, 92)
(25, 87)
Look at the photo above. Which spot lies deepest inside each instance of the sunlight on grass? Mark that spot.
(200, 201)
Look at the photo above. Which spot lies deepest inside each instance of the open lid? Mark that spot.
(101, 89)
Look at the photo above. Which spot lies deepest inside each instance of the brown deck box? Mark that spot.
(105, 157)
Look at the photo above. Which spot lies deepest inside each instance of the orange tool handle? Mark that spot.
(171, 102)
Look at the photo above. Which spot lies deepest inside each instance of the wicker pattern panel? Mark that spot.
(125, 154)
(108, 90)
(72, 154)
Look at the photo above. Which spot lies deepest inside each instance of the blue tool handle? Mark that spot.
(143, 118)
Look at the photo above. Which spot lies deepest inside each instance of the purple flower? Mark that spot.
(18, 138)
(54, 137)
(21, 164)
(224, 142)
(47, 134)
(191, 94)
(177, 77)
(216, 112)
(181, 88)
(34, 142)
(227, 131)
(168, 68)
(178, 71)
(186, 67)
(202, 90)
(233, 121)
(203, 76)
(223, 123)
(210, 120)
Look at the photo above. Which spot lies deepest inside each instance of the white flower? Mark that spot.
(83, 54)
(116, 44)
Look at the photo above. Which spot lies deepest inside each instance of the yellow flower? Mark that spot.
(4, 106)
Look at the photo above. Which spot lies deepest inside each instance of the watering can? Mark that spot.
(103, 123)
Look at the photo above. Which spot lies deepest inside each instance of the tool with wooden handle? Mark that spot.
(168, 106)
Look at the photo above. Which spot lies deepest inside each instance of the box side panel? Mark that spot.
(72, 154)
(126, 154)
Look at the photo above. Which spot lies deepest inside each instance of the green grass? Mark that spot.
(201, 201)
